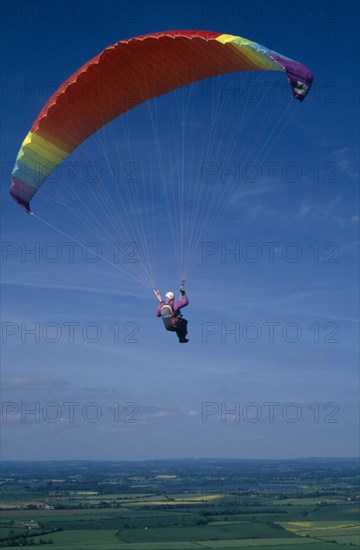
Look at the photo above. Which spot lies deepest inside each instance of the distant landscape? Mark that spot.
(181, 504)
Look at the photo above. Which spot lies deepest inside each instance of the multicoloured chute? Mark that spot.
(126, 74)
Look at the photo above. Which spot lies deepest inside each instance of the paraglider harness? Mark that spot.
(170, 319)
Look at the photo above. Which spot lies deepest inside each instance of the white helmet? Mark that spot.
(170, 295)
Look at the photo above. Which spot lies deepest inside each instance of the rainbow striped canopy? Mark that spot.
(125, 75)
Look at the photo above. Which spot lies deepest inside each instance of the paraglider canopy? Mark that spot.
(126, 74)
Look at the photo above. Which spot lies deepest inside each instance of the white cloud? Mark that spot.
(73, 288)
(345, 161)
(250, 192)
(30, 383)
(319, 211)
(304, 211)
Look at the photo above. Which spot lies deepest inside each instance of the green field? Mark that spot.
(316, 508)
(166, 529)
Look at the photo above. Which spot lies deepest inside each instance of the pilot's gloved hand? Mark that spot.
(182, 288)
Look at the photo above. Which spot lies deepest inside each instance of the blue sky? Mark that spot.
(81, 347)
